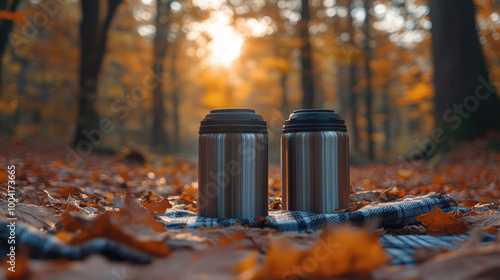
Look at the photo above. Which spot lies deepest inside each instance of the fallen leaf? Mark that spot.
(190, 197)
(438, 180)
(369, 196)
(276, 205)
(41, 217)
(66, 191)
(440, 222)
(388, 194)
(339, 251)
(488, 223)
(358, 206)
(4, 175)
(158, 206)
(132, 225)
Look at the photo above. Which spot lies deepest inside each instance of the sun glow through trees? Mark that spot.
(225, 46)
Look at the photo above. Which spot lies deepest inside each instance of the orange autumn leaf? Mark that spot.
(275, 205)
(339, 251)
(438, 180)
(438, 221)
(491, 230)
(189, 196)
(3, 175)
(124, 226)
(67, 191)
(158, 206)
(358, 206)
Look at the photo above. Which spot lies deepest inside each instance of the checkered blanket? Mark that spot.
(391, 214)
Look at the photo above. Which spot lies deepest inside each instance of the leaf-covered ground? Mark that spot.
(115, 196)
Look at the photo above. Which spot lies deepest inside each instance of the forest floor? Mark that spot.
(80, 203)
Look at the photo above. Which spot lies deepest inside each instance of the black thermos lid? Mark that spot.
(233, 120)
(314, 120)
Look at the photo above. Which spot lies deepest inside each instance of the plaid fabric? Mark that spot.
(392, 214)
(401, 248)
(44, 245)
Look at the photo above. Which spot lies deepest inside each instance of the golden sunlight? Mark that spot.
(226, 43)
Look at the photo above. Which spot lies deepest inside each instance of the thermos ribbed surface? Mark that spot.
(233, 175)
(315, 171)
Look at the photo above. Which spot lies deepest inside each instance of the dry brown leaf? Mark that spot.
(489, 223)
(190, 197)
(388, 194)
(276, 205)
(440, 222)
(133, 226)
(339, 251)
(362, 196)
(158, 206)
(41, 198)
(358, 206)
(41, 217)
(4, 175)
(66, 191)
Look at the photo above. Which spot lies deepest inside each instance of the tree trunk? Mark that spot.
(388, 117)
(284, 99)
(306, 58)
(6, 27)
(351, 84)
(466, 102)
(368, 76)
(175, 97)
(158, 134)
(354, 107)
(93, 38)
(281, 53)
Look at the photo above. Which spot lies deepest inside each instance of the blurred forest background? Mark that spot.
(144, 73)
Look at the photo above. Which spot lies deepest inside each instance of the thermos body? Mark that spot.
(233, 165)
(315, 162)
(233, 182)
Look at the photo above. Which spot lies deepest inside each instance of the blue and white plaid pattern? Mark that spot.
(391, 214)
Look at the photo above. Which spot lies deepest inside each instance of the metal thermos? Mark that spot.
(233, 164)
(315, 162)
